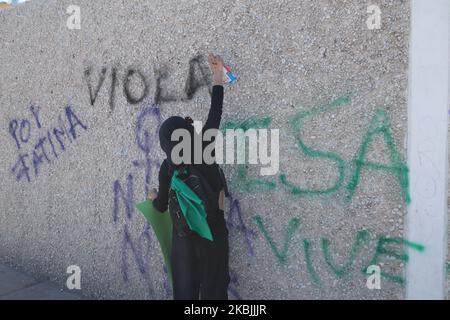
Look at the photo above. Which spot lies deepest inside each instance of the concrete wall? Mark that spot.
(336, 90)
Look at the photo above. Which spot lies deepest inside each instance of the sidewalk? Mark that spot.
(15, 285)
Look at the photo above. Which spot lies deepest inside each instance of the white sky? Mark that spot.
(13, 1)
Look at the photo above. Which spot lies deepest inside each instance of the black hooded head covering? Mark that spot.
(211, 172)
(166, 130)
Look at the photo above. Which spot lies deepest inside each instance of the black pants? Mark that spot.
(200, 266)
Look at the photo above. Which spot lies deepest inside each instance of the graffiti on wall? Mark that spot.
(197, 77)
(124, 201)
(39, 145)
(386, 247)
(379, 125)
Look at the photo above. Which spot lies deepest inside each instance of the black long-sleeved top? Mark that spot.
(210, 171)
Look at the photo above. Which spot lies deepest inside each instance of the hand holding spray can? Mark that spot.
(214, 63)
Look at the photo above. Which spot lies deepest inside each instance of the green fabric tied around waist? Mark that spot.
(192, 207)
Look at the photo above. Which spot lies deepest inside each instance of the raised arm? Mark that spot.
(215, 111)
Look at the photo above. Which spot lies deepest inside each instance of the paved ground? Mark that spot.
(15, 285)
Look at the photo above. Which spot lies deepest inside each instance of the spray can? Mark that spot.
(230, 76)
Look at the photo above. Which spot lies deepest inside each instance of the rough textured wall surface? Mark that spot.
(79, 116)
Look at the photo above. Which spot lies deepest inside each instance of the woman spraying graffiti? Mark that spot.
(194, 194)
